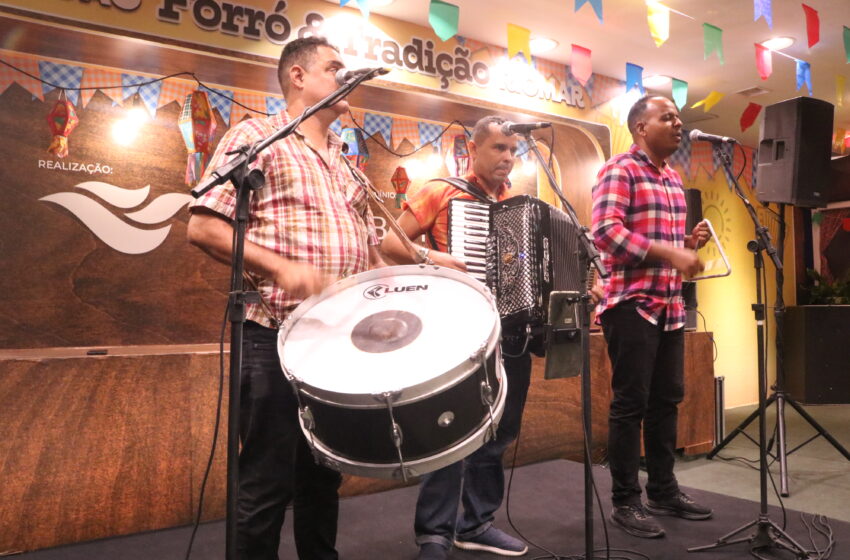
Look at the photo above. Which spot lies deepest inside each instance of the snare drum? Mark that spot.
(397, 370)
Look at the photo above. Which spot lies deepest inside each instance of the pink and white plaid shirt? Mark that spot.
(309, 210)
(634, 204)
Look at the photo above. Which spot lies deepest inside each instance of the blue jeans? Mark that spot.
(478, 482)
(648, 385)
(276, 466)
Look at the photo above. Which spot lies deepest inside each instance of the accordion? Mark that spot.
(521, 248)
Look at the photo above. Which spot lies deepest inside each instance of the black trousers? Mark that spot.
(648, 385)
(276, 467)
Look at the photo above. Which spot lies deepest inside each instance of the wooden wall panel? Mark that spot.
(102, 446)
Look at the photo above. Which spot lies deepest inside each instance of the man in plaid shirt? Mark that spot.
(639, 225)
(309, 225)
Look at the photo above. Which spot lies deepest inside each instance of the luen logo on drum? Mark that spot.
(377, 291)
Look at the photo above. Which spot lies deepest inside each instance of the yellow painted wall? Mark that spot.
(726, 302)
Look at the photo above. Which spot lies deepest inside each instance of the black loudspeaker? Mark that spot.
(795, 148)
(693, 198)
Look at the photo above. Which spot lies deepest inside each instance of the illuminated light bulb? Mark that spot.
(125, 131)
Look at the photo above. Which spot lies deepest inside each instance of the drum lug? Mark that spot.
(307, 419)
(479, 355)
(487, 398)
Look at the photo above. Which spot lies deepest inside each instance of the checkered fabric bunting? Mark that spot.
(405, 129)
(222, 100)
(522, 149)
(251, 104)
(739, 156)
(106, 81)
(275, 105)
(174, 89)
(548, 69)
(148, 93)
(605, 89)
(717, 159)
(383, 124)
(63, 76)
(337, 127)
(702, 156)
(430, 133)
(681, 158)
(8, 76)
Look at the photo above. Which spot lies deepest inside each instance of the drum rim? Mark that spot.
(407, 394)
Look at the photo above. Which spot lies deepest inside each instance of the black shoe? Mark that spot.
(634, 520)
(680, 505)
(432, 551)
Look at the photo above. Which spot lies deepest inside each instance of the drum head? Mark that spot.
(394, 329)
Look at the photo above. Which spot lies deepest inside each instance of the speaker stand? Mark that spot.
(779, 395)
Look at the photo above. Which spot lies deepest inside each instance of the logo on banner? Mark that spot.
(121, 235)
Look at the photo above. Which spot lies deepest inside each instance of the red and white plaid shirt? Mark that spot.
(635, 204)
(309, 210)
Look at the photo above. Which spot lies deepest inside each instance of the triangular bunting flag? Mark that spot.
(749, 116)
(717, 159)
(763, 8)
(580, 64)
(702, 156)
(680, 93)
(658, 17)
(174, 89)
(405, 129)
(709, 101)
(712, 41)
(847, 43)
(378, 124)
(597, 7)
(147, 88)
(812, 25)
(634, 77)
(63, 76)
(443, 18)
(9, 76)
(764, 61)
(251, 104)
(745, 166)
(804, 75)
(518, 41)
(430, 133)
(276, 105)
(222, 100)
(840, 82)
(362, 4)
(682, 156)
(105, 81)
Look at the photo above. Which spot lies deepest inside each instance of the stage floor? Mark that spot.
(546, 506)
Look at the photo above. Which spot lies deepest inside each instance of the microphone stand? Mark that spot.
(768, 534)
(589, 255)
(244, 181)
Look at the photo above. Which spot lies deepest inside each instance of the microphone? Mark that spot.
(509, 128)
(705, 137)
(343, 76)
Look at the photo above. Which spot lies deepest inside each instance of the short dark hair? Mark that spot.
(300, 52)
(639, 108)
(481, 130)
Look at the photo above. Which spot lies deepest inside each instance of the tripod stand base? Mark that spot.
(768, 536)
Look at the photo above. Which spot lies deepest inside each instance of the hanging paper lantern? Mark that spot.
(460, 150)
(62, 120)
(400, 183)
(197, 125)
(355, 147)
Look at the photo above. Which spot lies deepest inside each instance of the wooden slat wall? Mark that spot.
(102, 446)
